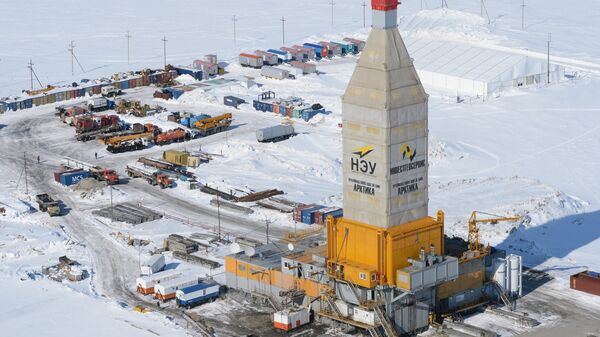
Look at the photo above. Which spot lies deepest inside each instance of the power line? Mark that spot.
(128, 37)
(484, 8)
(283, 28)
(74, 58)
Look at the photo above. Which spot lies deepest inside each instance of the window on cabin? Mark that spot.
(241, 267)
(362, 276)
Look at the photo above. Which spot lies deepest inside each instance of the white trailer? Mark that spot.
(167, 290)
(155, 264)
(276, 73)
(289, 319)
(145, 284)
(274, 133)
(97, 104)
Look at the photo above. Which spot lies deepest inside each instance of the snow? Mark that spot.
(528, 152)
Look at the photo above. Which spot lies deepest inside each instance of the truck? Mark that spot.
(162, 165)
(155, 264)
(205, 291)
(171, 136)
(153, 176)
(127, 146)
(96, 172)
(99, 104)
(274, 133)
(209, 126)
(47, 204)
(275, 73)
(110, 91)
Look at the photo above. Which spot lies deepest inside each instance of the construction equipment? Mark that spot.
(475, 249)
(131, 145)
(209, 126)
(172, 136)
(47, 204)
(152, 176)
(120, 139)
(162, 165)
(96, 172)
(110, 91)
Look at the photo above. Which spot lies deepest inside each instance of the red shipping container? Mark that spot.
(146, 81)
(289, 111)
(586, 281)
(297, 215)
(132, 83)
(60, 173)
(276, 108)
(384, 5)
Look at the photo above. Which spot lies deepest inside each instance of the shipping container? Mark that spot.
(81, 92)
(132, 83)
(139, 82)
(276, 73)
(195, 73)
(333, 49)
(322, 214)
(252, 61)
(59, 173)
(281, 55)
(289, 319)
(145, 284)
(233, 101)
(167, 290)
(274, 133)
(268, 58)
(202, 292)
(308, 214)
(125, 84)
(51, 98)
(359, 45)
(297, 214)
(207, 68)
(3, 107)
(307, 68)
(346, 48)
(72, 178)
(211, 58)
(297, 55)
(60, 96)
(155, 264)
(586, 281)
(146, 80)
(309, 53)
(320, 51)
(96, 90)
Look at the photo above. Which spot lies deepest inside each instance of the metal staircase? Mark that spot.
(388, 329)
(507, 302)
(385, 323)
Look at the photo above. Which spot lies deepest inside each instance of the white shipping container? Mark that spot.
(289, 319)
(364, 316)
(274, 132)
(167, 289)
(154, 264)
(148, 282)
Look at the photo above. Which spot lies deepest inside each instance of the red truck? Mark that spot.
(96, 172)
(177, 135)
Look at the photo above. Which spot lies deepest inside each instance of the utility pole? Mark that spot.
(30, 66)
(364, 6)
(267, 221)
(332, 3)
(283, 29)
(549, 39)
(218, 217)
(112, 209)
(444, 4)
(523, 15)
(72, 49)
(25, 171)
(128, 37)
(164, 40)
(234, 31)
(481, 9)
(74, 58)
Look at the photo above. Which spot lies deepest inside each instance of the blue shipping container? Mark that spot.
(195, 288)
(3, 107)
(125, 84)
(308, 214)
(196, 74)
(176, 93)
(318, 49)
(281, 55)
(72, 178)
(338, 213)
(80, 92)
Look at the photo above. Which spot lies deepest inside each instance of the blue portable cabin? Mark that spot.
(317, 47)
(308, 214)
(198, 293)
(309, 113)
(195, 73)
(281, 55)
(3, 107)
(176, 93)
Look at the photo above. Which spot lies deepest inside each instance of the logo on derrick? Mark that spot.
(408, 152)
(359, 163)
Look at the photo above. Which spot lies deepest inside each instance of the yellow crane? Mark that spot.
(475, 249)
(121, 139)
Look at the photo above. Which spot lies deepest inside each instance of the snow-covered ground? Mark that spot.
(530, 152)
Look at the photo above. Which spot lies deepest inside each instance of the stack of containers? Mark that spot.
(308, 214)
(322, 214)
(297, 213)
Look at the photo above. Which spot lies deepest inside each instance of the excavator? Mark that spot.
(475, 248)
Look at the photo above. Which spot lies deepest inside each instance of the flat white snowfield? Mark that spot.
(531, 152)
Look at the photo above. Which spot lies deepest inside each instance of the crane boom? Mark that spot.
(474, 245)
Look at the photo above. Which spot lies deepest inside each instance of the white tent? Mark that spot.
(454, 67)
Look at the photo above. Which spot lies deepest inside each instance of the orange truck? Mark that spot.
(171, 136)
(96, 172)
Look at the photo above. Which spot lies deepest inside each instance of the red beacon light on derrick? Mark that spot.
(384, 5)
